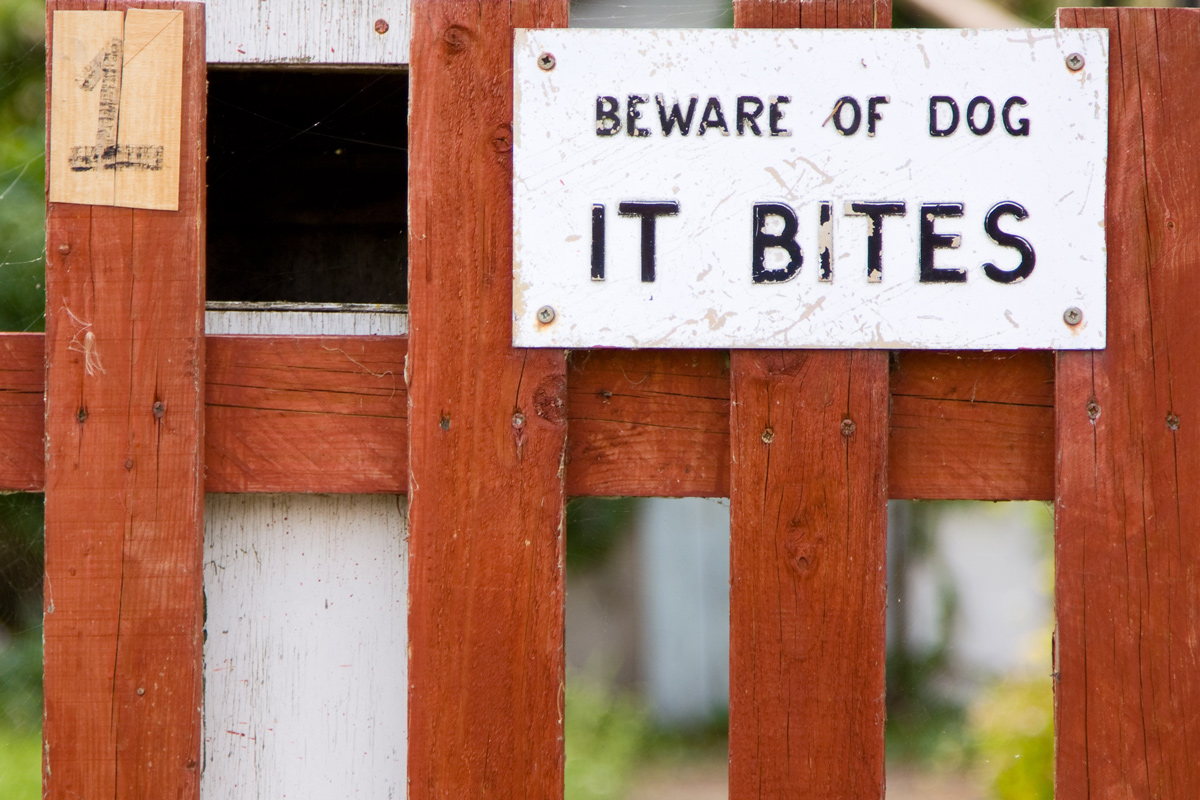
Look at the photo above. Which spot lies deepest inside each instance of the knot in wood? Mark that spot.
(502, 138)
(456, 39)
(801, 552)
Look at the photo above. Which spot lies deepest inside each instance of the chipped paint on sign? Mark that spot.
(775, 189)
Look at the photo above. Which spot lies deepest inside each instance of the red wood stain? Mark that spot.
(306, 414)
(808, 576)
(1127, 567)
(487, 434)
(124, 429)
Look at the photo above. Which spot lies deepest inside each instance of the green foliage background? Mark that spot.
(22, 164)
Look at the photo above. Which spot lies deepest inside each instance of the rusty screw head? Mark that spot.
(1075, 62)
(768, 435)
(545, 315)
(518, 420)
(848, 427)
(546, 61)
(1072, 316)
(381, 26)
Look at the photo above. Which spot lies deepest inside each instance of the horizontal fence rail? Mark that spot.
(329, 414)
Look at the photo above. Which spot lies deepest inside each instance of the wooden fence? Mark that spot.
(143, 413)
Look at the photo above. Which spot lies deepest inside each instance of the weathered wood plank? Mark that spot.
(1127, 560)
(124, 429)
(332, 32)
(648, 423)
(808, 531)
(304, 690)
(487, 433)
(22, 411)
(964, 426)
(807, 574)
(977, 426)
(306, 414)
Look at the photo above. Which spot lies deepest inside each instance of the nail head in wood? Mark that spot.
(1172, 422)
(1093, 410)
(518, 420)
(158, 409)
(64, 249)
(848, 427)
(768, 435)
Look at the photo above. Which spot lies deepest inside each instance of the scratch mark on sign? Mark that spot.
(825, 176)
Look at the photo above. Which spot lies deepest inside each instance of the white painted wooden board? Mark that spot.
(305, 319)
(1031, 158)
(305, 656)
(293, 32)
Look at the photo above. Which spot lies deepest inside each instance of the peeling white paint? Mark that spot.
(305, 655)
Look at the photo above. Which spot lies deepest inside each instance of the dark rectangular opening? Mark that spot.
(308, 185)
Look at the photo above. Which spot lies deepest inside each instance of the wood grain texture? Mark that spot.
(84, 117)
(648, 423)
(124, 430)
(807, 574)
(331, 32)
(1127, 561)
(22, 411)
(304, 690)
(808, 538)
(964, 426)
(150, 106)
(306, 414)
(487, 433)
(971, 426)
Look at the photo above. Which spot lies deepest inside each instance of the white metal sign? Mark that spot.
(764, 188)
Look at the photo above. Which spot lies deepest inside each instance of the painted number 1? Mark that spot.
(105, 71)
